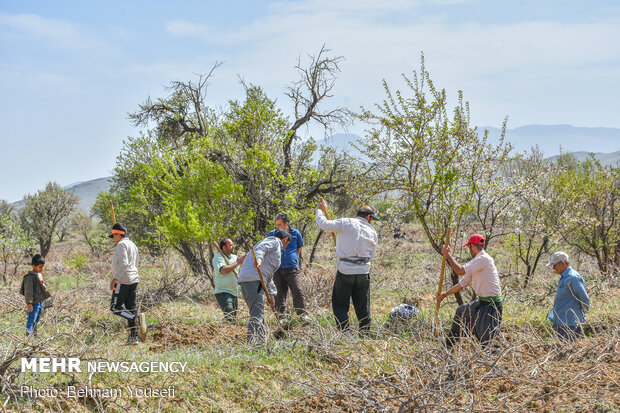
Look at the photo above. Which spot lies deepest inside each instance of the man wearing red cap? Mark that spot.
(481, 317)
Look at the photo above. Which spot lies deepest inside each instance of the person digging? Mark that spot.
(483, 316)
(125, 283)
(268, 254)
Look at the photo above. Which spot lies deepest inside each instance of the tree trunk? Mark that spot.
(196, 261)
(45, 245)
(528, 275)
(316, 243)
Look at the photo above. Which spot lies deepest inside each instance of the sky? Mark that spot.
(71, 71)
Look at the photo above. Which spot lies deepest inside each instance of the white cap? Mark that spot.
(558, 257)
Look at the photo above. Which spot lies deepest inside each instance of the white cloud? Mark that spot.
(184, 28)
(55, 32)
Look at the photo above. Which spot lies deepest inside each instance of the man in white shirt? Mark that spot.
(125, 283)
(356, 245)
(483, 316)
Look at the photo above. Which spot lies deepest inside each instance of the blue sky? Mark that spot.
(70, 71)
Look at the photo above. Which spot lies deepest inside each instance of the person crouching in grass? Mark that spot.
(34, 291)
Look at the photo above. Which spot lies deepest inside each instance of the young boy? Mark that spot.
(34, 291)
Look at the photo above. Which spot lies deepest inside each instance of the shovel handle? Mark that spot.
(440, 287)
(262, 282)
(112, 213)
(327, 216)
(225, 259)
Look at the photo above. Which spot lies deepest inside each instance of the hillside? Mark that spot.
(85, 191)
(553, 139)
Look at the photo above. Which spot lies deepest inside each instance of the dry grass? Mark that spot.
(316, 368)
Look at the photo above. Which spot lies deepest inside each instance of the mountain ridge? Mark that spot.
(551, 139)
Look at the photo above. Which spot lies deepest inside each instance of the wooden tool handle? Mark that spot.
(262, 282)
(440, 287)
(224, 256)
(327, 216)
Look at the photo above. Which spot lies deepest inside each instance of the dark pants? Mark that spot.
(480, 318)
(349, 287)
(229, 305)
(568, 333)
(285, 279)
(124, 304)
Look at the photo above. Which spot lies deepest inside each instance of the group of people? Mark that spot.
(273, 269)
(277, 261)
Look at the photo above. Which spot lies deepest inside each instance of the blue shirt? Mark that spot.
(571, 300)
(290, 258)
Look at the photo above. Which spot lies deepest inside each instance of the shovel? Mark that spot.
(327, 216)
(440, 288)
(279, 333)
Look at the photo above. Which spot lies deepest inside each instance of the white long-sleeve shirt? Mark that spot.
(355, 239)
(125, 262)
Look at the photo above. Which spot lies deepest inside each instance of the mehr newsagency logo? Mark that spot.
(75, 365)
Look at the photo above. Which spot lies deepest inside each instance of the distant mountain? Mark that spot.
(612, 158)
(85, 191)
(552, 139)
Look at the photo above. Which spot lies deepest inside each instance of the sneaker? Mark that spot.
(141, 326)
(132, 339)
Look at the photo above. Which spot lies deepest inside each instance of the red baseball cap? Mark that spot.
(475, 239)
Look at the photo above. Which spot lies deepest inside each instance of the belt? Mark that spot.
(497, 299)
(357, 260)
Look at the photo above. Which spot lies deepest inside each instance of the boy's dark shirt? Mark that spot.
(33, 289)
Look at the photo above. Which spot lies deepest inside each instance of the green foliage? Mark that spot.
(593, 193)
(76, 262)
(14, 246)
(430, 160)
(95, 235)
(45, 212)
(198, 176)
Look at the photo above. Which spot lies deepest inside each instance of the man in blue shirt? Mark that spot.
(571, 300)
(288, 275)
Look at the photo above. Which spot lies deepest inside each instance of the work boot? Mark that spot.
(141, 326)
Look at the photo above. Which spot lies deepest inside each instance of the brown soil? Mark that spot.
(168, 335)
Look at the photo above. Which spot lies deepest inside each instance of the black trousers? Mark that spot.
(480, 318)
(289, 279)
(347, 288)
(123, 303)
(568, 333)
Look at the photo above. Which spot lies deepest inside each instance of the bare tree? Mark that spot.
(315, 84)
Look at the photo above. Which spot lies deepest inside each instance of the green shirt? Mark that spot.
(225, 283)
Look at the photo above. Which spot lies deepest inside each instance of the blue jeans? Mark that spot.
(33, 318)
